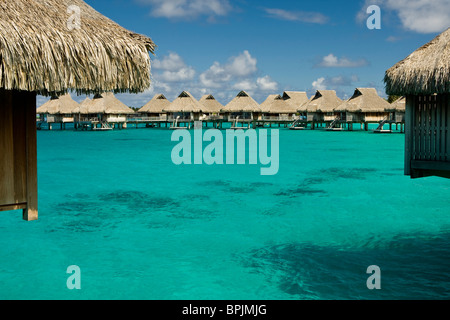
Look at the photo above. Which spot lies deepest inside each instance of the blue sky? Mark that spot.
(266, 47)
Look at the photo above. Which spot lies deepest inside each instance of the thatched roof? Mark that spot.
(83, 106)
(39, 52)
(242, 103)
(106, 103)
(364, 100)
(184, 103)
(210, 104)
(158, 103)
(398, 105)
(62, 105)
(296, 98)
(265, 106)
(275, 104)
(425, 71)
(324, 101)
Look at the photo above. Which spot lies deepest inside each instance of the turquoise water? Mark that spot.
(140, 227)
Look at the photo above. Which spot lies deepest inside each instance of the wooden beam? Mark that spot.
(409, 127)
(19, 206)
(29, 101)
(7, 149)
(430, 165)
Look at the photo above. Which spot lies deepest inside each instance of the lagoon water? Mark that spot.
(140, 227)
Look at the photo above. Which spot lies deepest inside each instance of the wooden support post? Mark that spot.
(18, 156)
(409, 127)
(29, 101)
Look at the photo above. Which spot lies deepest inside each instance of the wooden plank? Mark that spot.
(439, 132)
(19, 206)
(423, 133)
(20, 156)
(416, 128)
(430, 165)
(447, 126)
(433, 129)
(29, 101)
(7, 147)
(409, 127)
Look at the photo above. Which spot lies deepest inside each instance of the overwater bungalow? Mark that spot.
(58, 110)
(424, 78)
(275, 108)
(30, 31)
(265, 106)
(397, 110)
(323, 105)
(297, 99)
(211, 107)
(106, 111)
(154, 109)
(242, 108)
(185, 108)
(364, 106)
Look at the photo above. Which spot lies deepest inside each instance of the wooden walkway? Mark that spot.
(300, 125)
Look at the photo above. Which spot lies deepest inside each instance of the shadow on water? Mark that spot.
(95, 212)
(306, 187)
(412, 267)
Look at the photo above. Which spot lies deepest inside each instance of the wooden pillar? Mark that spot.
(29, 101)
(18, 156)
(409, 127)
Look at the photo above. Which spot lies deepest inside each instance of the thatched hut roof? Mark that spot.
(364, 100)
(83, 106)
(398, 105)
(297, 99)
(265, 106)
(210, 104)
(184, 103)
(40, 53)
(277, 105)
(242, 103)
(106, 103)
(425, 71)
(158, 103)
(324, 101)
(59, 105)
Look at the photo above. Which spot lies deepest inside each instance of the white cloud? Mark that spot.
(183, 74)
(173, 68)
(267, 84)
(245, 84)
(301, 16)
(240, 72)
(392, 39)
(215, 76)
(171, 62)
(319, 84)
(422, 16)
(331, 61)
(241, 66)
(332, 83)
(187, 9)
